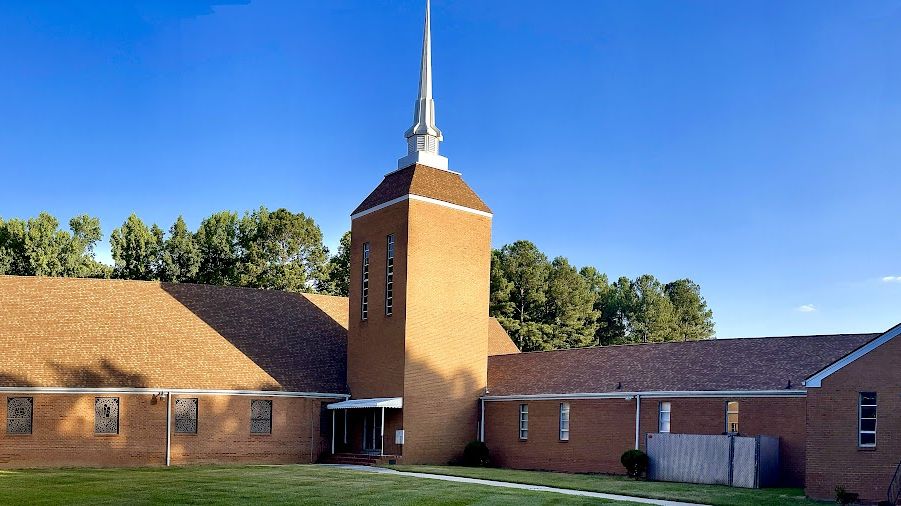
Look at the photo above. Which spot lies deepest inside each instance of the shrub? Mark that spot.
(842, 496)
(635, 462)
(476, 454)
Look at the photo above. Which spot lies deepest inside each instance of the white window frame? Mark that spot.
(364, 285)
(523, 422)
(564, 421)
(665, 417)
(389, 275)
(860, 419)
(737, 414)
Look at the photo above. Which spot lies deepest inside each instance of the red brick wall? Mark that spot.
(63, 433)
(375, 347)
(446, 362)
(833, 457)
(602, 429)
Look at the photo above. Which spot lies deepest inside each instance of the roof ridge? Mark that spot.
(698, 341)
(160, 283)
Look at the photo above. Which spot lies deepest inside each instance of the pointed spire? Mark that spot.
(423, 137)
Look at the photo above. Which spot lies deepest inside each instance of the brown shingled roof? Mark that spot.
(425, 182)
(64, 332)
(499, 342)
(719, 364)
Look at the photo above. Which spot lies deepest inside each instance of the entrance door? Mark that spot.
(372, 431)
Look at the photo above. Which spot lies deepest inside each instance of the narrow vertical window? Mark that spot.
(564, 421)
(663, 420)
(186, 416)
(732, 416)
(523, 421)
(389, 277)
(364, 304)
(866, 412)
(260, 416)
(106, 415)
(19, 413)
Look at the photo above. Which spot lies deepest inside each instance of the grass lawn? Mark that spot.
(291, 484)
(708, 494)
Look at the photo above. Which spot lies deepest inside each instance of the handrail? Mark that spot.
(894, 488)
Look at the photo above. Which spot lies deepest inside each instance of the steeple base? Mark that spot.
(426, 158)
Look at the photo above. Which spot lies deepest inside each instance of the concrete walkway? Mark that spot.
(520, 486)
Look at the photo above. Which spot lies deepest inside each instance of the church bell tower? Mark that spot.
(418, 321)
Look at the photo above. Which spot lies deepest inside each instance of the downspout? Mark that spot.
(637, 421)
(168, 428)
(482, 420)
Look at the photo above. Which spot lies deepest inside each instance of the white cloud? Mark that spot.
(891, 279)
(807, 308)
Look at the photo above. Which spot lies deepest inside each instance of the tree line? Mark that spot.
(277, 250)
(543, 304)
(550, 304)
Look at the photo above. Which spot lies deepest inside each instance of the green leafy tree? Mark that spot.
(651, 318)
(218, 245)
(180, 259)
(337, 278)
(281, 250)
(136, 250)
(693, 319)
(570, 307)
(37, 247)
(526, 269)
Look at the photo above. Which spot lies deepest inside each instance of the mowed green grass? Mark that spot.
(706, 494)
(290, 484)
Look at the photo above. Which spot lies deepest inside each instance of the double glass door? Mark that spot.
(372, 431)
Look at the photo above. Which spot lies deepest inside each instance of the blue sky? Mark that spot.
(754, 147)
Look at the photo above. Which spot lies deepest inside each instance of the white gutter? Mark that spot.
(168, 428)
(649, 395)
(419, 198)
(176, 391)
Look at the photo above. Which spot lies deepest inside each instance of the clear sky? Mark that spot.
(754, 147)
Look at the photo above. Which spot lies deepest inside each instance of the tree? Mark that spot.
(570, 307)
(526, 269)
(337, 278)
(219, 254)
(180, 260)
(651, 319)
(281, 250)
(136, 250)
(693, 319)
(37, 247)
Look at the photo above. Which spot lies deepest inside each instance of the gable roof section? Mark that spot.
(419, 180)
(757, 364)
(816, 380)
(499, 342)
(86, 333)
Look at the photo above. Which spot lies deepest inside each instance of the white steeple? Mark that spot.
(423, 137)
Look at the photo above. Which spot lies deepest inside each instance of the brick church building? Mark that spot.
(410, 367)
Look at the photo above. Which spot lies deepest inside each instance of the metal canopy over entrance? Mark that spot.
(373, 424)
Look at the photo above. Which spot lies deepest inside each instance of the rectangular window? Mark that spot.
(106, 415)
(732, 416)
(19, 413)
(364, 304)
(866, 411)
(260, 416)
(523, 421)
(186, 416)
(564, 421)
(389, 277)
(663, 420)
